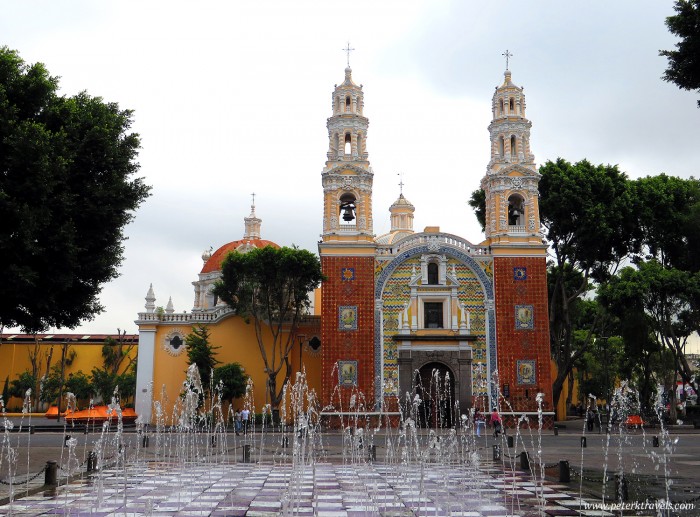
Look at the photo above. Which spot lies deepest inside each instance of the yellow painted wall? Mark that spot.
(14, 359)
(238, 344)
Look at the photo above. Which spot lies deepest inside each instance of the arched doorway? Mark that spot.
(435, 385)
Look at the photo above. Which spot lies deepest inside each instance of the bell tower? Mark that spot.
(347, 252)
(519, 255)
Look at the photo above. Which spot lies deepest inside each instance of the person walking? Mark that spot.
(479, 421)
(245, 417)
(496, 423)
(237, 421)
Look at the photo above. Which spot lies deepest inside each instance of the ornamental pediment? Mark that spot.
(516, 169)
(346, 169)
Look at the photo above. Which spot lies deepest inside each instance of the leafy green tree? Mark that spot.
(684, 62)
(587, 214)
(66, 193)
(478, 202)
(271, 286)
(667, 297)
(118, 368)
(19, 386)
(51, 385)
(202, 353)
(80, 385)
(232, 379)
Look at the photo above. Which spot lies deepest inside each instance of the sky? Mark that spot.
(232, 98)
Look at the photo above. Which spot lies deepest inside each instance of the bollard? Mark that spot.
(621, 488)
(51, 473)
(564, 473)
(655, 441)
(65, 440)
(583, 442)
(285, 441)
(372, 453)
(86, 430)
(31, 429)
(524, 461)
(496, 452)
(91, 462)
(510, 441)
(144, 442)
(246, 454)
(213, 440)
(556, 431)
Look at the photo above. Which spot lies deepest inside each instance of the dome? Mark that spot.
(243, 245)
(402, 202)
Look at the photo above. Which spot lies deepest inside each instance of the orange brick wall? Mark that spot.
(347, 345)
(518, 343)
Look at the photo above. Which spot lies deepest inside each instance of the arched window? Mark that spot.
(511, 105)
(337, 105)
(501, 146)
(347, 208)
(516, 210)
(500, 107)
(513, 150)
(433, 273)
(348, 143)
(359, 144)
(348, 103)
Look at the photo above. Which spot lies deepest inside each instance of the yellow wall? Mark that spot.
(238, 343)
(14, 359)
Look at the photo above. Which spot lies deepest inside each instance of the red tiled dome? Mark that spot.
(214, 262)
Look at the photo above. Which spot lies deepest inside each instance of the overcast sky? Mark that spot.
(232, 98)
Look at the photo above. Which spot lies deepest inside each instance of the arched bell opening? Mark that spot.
(516, 210)
(434, 386)
(348, 207)
(348, 143)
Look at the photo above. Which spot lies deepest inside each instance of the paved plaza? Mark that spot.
(339, 483)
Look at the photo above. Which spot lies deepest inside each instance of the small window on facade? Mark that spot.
(512, 105)
(314, 343)
(348, 143)
(512, 147)
(501, 146)
(176, 342)
(433, 315)
(432, 273)
(347, 104)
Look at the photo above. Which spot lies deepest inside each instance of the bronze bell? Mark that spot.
(347, 212)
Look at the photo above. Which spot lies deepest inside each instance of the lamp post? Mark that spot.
(301, 338)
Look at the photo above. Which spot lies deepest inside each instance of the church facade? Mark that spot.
(401, 310)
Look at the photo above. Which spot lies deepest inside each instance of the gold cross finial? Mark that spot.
(348, 50)
(507, 56)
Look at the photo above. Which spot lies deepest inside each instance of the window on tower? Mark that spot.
(500, 107)
(516, 210)
(501, 146)
(513, 149)
(433, 273)
(511, 105)
(348, 143)
(348, 104)
(433, 315)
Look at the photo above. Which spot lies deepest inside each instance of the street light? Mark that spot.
(301, 338)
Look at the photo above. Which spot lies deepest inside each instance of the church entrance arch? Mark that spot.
(435, 385)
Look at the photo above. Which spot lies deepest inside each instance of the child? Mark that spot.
(496, 423)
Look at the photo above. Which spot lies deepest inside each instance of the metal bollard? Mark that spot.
(91, 462)
(65, 440)
(496, 452)
(51, 473)
(564, 473)
(86, 430)
(372, 453)
(583, 442)
(621, 488)
(556, 431)
(31, 429)
(510, 441)
(524, 461)
(144, 442)
(213, 440)
(285, 442)
(246, 454)
(655, 441)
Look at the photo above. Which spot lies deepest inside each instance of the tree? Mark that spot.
(271, 286)
(66, 194)
(80, 385)
(684, 63)
(232, 379)
(118, 369)
(201, 353)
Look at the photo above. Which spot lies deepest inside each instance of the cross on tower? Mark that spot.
(348, 50)
(253, 194)
(507, 55)
(400, 174)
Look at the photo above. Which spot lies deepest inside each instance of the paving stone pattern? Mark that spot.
(323, 490)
